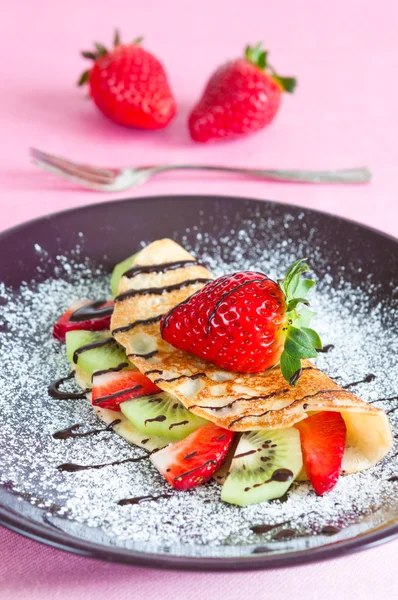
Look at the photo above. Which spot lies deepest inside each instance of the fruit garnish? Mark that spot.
(323, 438)
(264, 466)
(119, 271)
(241, 97)
(161, 415)
(193, 460)
(93, 351)
(111, 389)
(129, 85)
(65, 323)
(246, 322)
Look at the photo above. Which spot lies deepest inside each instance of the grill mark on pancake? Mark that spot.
(148, 355)
(197, 376)
(160, 268)
(117, 394)
(158, 291)
(272, 394)
(288, 406)
(130, 326)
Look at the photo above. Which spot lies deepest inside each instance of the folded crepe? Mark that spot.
(163, 275)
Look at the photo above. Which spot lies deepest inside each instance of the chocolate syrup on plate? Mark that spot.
(366, 379)
(325, 349)
(140, 499)
(284, 534)
(55, 392)
(330, 530)
(94, 310)
(71, 467)
(70, 432)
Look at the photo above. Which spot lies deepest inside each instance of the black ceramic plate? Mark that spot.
(358, 271)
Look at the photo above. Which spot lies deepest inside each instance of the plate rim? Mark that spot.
(66, 542)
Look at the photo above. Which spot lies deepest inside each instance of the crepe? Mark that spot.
(236, 401)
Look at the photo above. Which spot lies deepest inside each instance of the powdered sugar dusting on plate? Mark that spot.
(194, 523)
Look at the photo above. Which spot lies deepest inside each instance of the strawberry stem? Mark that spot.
(258, 57)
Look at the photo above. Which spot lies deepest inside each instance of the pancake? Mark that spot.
(165, 275)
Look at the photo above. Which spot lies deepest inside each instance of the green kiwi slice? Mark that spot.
(161, 415)
(93, 351)
(118, 271)
(264, 466)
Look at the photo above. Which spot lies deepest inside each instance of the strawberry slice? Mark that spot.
(86, 315)
(113, 387)
(193, 460)
(322, 443)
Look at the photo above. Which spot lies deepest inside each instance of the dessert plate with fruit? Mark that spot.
(212, 389)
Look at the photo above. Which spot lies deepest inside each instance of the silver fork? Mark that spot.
(117, 180)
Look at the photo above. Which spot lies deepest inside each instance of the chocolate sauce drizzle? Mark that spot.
(158, 291)
(148, 355)
(280, 475)
(92, 311)
(188, 473)
(130, 326)
(325, 349)
(284, 535)
(158, 419)
(120, 367)
(366, 379)
(118, 394)
(140, 499)
(54, 391)
(225, 295)
(160, 268)
(260, 529)
(197, 376)
(277, 393)
(70, 432)
(330, 530)
(72, 468)
(92, 346)
(177, 424)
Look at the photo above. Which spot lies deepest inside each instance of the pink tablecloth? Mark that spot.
(345, 55)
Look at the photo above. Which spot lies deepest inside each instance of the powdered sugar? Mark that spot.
(195, 522)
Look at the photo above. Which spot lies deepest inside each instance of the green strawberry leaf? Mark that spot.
(313, 336)
(304, 317)
(84, 78)
(304, 287)
(298, 344)
(288, 84)
(116, 39)
(289, 366)
(101, 50)
(90, 55)
(291, 305)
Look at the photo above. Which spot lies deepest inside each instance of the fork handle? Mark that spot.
(359, 175)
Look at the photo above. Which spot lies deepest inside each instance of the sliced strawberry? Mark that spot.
(322, 443)
(96, 316)
(193, 460)
(112, 388)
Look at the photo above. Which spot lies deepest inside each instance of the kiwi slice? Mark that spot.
(119, 270)
(105, 352)
(264, 466)
(161, 415)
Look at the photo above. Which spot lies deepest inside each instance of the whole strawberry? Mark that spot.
(248, 323)
(241, 97)
(129, 86)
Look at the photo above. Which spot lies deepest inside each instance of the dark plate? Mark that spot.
(105, 232)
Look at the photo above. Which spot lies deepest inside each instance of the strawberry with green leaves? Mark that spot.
(129, 85)
(241, 97)
(248, 323)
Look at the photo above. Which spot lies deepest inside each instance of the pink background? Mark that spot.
(343, 114)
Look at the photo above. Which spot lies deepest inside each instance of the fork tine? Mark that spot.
(71, 174)
(61, 163)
